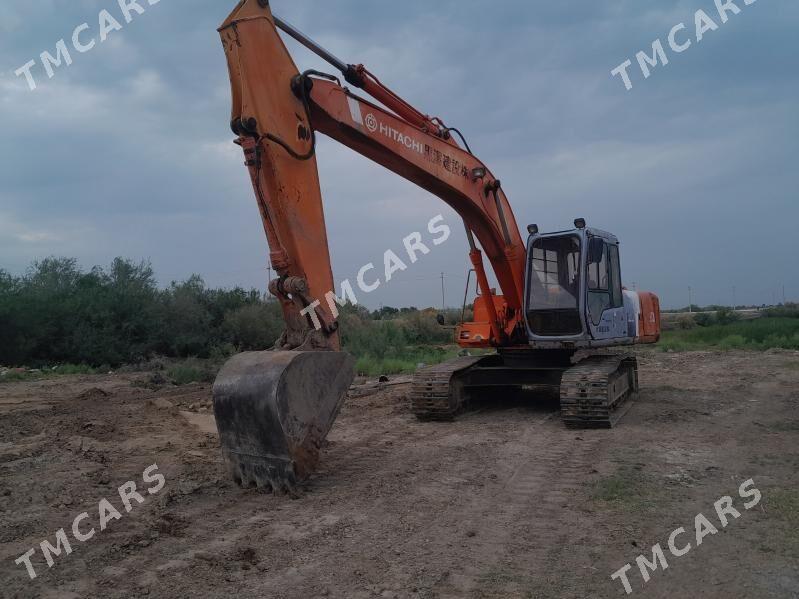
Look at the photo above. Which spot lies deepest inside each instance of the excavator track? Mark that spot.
(598, 391)
(437, 393)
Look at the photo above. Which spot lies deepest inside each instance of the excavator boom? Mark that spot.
(277, 113)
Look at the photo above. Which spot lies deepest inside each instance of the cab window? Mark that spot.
(553, 279)
(616, 295)
(604, 278)
(598, 265)
(555, 282)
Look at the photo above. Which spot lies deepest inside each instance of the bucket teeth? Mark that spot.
(267, 473)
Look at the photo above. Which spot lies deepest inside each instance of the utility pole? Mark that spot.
(443, 302)
(783, 295)
(734, 303)
(690, 300)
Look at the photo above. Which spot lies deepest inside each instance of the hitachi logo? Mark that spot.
(399, 137)
(447, 162)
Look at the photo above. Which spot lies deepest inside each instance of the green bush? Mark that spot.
(57, 313)
(379, 340)
(727, 316)
(732, 342)
(422, 327)
(789, 310)
(13, 377)
(705, 319)
(254, 327)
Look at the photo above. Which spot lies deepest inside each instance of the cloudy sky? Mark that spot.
(127, 152)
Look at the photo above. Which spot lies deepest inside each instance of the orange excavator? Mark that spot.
(562, 304)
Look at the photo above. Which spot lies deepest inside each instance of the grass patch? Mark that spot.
(14, 377)
(760, 334)
(502, 582)
(626, 489)
(614, 489)
(191, 371)
(784, 504)
(45, 373)
(404, 361)
(67, 369)
(772, 459)
(786, 426)
(498, 578)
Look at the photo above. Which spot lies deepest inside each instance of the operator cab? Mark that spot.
(574, 295)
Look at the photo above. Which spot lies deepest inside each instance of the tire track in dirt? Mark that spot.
(546, 477)
(368, 454)
(379, 454)
(398, 458)
(437, 517)
(548, 467)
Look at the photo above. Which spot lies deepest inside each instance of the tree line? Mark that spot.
(58, 312)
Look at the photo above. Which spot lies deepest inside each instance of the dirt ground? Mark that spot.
(502, 503)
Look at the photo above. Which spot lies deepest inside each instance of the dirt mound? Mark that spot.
(93, 393)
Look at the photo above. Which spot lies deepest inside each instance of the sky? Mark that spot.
(128, 152)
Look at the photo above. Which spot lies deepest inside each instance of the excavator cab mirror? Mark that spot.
(441, 320)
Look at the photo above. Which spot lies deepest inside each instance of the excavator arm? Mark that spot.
(274, 409)
(277, 113)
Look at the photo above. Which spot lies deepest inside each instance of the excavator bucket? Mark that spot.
(273, 411)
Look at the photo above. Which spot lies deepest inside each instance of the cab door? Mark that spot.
(605, 311)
